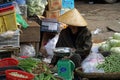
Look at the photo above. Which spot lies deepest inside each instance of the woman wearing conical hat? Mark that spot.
(76, 36)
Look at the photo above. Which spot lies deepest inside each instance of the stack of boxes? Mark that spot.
(9, 41)
(54, 7)
(58, 7)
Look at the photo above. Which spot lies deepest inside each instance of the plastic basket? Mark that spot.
(6, 4)
(7, 19)
(68, 4)
(100, 76)
(5, 62)
(11, 77)
(4, 9)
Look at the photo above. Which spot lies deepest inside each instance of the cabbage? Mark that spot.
(114, 43)
(104, 47)
(115, 50)
(116, 36)
(36, 7)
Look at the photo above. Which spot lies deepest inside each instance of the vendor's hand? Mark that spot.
(73, 49)
(51, 66)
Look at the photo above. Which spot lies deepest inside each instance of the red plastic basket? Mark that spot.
(23, 73)
(9, 8)
(5, 62)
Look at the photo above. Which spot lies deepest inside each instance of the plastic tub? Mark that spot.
(25, 75)
(5, 62)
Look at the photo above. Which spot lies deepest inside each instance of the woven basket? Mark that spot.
(97, 75)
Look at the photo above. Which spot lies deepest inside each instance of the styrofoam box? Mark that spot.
(11, 42)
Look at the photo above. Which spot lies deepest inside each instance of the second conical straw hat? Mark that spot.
(72, 17)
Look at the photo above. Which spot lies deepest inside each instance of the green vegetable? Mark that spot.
(114, 43)
(41, 76)
(116, 36)
(28, 64)
(111, 63)
(104, 47)
(36, 6)
(115, 50)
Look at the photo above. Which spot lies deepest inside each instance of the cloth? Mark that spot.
(82, 44)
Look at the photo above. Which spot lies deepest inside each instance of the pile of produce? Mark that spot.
(111, 45)
(36, 67)
(111, 63)
(36, 6)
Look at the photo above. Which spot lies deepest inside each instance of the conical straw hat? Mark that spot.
(72, 17)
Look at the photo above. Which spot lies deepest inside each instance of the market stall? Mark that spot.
(106, 65)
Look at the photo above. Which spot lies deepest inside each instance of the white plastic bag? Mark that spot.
(90, 63)
(51, 45)
(27, 50)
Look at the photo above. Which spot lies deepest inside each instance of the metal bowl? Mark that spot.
(62, 51)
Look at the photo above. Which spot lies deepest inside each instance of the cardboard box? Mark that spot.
(54, 4)
(53, 14)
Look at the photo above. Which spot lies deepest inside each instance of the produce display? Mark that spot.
(45, 76)
(38, 68)
(111, 63)
(112, 44)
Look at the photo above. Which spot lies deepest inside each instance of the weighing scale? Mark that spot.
(65, 67)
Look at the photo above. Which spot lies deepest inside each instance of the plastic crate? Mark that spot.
(7, 19)
(11, 77)
(6, 5)
(68, 4)
(5, 62)
(11, 42)
(5, 9)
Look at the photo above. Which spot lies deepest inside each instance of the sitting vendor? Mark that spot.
(76, 36)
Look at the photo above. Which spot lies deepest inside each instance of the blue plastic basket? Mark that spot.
(68, 4)
(6, 5)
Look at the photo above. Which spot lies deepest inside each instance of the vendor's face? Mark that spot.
(74, 29)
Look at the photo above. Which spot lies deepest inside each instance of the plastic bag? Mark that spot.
(51, 45)
(16, 7)
(27, 50)
(90, 63)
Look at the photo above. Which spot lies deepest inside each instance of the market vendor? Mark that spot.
(76, 36)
